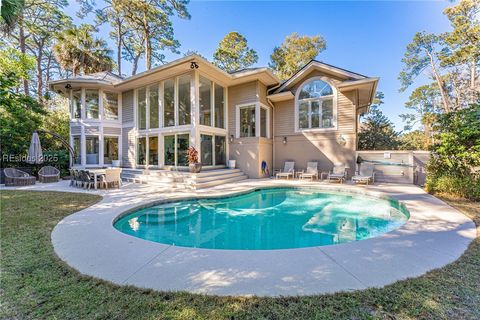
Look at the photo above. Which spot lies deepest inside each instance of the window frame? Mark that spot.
(258, 106)
(333, 97)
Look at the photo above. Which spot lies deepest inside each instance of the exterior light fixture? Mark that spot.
(341, 140)
(284, 140)
(68, 86)
(231, 138)
(193, 65)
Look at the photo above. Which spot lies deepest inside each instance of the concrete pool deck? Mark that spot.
(435, 235)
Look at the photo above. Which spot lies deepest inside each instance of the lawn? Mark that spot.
(35, 284)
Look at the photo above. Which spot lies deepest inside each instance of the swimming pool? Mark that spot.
(265, 219)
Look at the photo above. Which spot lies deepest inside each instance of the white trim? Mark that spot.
(334, 106)
(258, 105)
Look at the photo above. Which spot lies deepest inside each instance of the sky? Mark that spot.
(367, 37)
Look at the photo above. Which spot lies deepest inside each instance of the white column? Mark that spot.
(195, 115)
(257, 119)
(83, 113)
(83, 147)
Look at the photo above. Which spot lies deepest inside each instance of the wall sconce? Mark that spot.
(231, 138)
(284, 140)
(341, 140)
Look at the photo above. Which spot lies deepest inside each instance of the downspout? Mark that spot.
(273, 136)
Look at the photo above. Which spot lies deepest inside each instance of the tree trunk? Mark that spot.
(439, 81)
(23, 50)
(40, 74)
(135, 64)
(119, 47)
(148, 54)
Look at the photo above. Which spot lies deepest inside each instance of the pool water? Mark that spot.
(274, 218)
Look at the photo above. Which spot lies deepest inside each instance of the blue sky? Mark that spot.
(368, 37)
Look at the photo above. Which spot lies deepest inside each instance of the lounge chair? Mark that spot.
(288, 170)
(48, 174)
(338, 173)
(311, 172)
(15, 177)
(111, 177)
(366, 174)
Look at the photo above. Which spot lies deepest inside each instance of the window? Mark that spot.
(175, 149)
(92, 149)
(184, 102)
(247, 121)
(91, 104)
(315, 105)
(220, 150)
(142, 108)
(76, 104)
(207, 150)
(110, 149)
(142, 151)
(168, 103)
(110, 106)
(153, 151)
(205, 101)
(77, 150)
(153, 106)
(263, 122)
(213, 150)
(219, 107)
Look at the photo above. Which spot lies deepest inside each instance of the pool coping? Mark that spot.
(435, 235)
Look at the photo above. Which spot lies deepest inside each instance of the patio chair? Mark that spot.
(288, 170)
(15, 177)
(86, 179)
(366, 174)
(311, 172)
(111, 177)
(48, 174)
(338, 173)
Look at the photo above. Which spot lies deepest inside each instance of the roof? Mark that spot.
(104, 76)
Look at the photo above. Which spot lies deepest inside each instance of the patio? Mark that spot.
(435, 235)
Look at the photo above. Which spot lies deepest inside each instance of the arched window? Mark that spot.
(315, 105)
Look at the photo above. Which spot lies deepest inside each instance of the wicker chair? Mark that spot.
(48, 174)
(15, 177)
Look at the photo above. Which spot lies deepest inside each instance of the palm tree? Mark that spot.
(10, 12)
(79, 51)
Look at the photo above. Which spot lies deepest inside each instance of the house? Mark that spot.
(150, 119)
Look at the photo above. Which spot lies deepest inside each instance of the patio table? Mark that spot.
(96, 173)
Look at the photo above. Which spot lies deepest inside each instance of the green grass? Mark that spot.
(35, 284)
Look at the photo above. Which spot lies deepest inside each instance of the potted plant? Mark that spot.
(192, 157)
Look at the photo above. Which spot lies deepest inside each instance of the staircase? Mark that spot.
(181, 179)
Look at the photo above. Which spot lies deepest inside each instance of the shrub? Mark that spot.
(467, 186)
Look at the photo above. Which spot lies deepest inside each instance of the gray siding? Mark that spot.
(127, 107)
(75, 130)
(128, 146)
(112, 130)
(92, 130)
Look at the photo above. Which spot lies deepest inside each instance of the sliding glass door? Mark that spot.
(213, 150)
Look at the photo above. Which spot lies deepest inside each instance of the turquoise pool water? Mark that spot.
(275, 218)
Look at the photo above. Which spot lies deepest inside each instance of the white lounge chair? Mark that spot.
(338, 173)
(311, 172)
(288, 170)
(366, 174)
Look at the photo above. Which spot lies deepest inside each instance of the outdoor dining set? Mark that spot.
(109, 177)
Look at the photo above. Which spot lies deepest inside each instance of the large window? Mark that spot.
(213, 150)
(142, 108)
(175, 149)
(219, 107)
(207, 150)
(92, 149)
(168, 103)
(76, 104)
(110, 106)
(110, 149)
(153, 105)
(153, 151)
(205, 101)
(263, 122)
(142, 151)
(77, 149)
(247, 121)
(315, 105)
(91, 104)
(184, 100)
